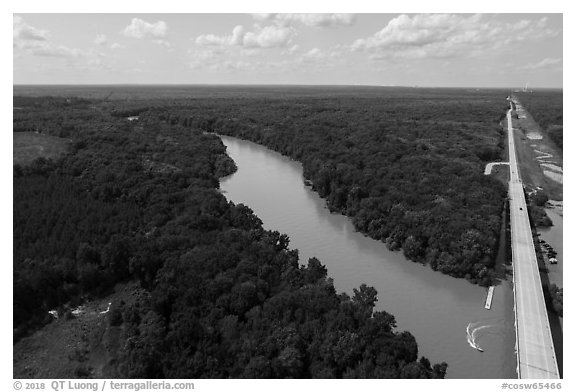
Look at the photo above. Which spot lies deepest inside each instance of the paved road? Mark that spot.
(489, 166)
(535, 349)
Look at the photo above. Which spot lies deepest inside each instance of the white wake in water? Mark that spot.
(472, 333)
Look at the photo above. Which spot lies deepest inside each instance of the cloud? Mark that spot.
(116, 45)
(24, 32)
(31, 41)
(163, 42)
(236, 38)
(220, 59)
(547, 63)
(318, 59)
(100, 39)
(262, 37)
(291, 50)
(215, 60)
(49, 49)
(446, 36)
(203, 58)
(315, 54)
(250, 52)
(56, 51)
(268, 37)
(229, 65)
(139, 28)
(313, 20)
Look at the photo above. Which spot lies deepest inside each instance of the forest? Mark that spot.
(139, 201)
(406, 165)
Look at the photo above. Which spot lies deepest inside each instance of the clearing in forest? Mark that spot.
(31, 145)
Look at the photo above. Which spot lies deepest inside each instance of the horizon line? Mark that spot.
(270, 85)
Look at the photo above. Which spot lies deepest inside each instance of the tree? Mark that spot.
(365, 297)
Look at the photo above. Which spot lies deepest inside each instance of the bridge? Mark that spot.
(534, 346)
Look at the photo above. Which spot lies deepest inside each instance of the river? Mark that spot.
(437, 309)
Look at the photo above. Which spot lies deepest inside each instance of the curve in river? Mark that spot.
(446, 315)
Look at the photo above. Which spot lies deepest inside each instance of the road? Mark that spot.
(535, 349)
(489, 166)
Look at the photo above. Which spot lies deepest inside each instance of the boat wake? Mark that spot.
(472, 334)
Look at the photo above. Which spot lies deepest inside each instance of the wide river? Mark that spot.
(446, 315)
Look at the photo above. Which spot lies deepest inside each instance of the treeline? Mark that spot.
(226, 298)
(407, 169)
(546, 107)
(557, 298)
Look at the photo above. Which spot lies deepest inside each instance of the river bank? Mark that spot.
(437, 309)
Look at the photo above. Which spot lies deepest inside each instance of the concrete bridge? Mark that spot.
(534, 346)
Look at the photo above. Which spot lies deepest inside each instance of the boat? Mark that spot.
(489, 296)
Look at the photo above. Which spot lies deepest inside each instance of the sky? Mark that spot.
(444, 50)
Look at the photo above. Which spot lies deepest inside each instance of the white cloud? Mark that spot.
(313, 20)
(262, 37)
(164, 43)
(268, 37)
(293, 48)
(56, 51)
(546, 63)
(116, 45)
(203, 58)
(229, 65)
(31, 41)
(100, 39)
(24, 32)
(314, 53)
(214, 40)
(217, 60)
(251, 52)
(318, 59)
(446, 35)
(49, 49)
(139, 28)
(237, 37)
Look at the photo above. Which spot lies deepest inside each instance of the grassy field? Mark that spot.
(501, 173)
(29, 145)
(75, 346)
(529, 150)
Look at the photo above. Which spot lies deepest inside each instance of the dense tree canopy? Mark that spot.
(407, 167)
(224, 297)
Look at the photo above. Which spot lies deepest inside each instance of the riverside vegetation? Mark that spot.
(405, 165)
(138, 201)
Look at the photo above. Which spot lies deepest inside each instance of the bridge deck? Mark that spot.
(535, 349)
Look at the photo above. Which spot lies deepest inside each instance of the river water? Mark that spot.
(444, 314)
